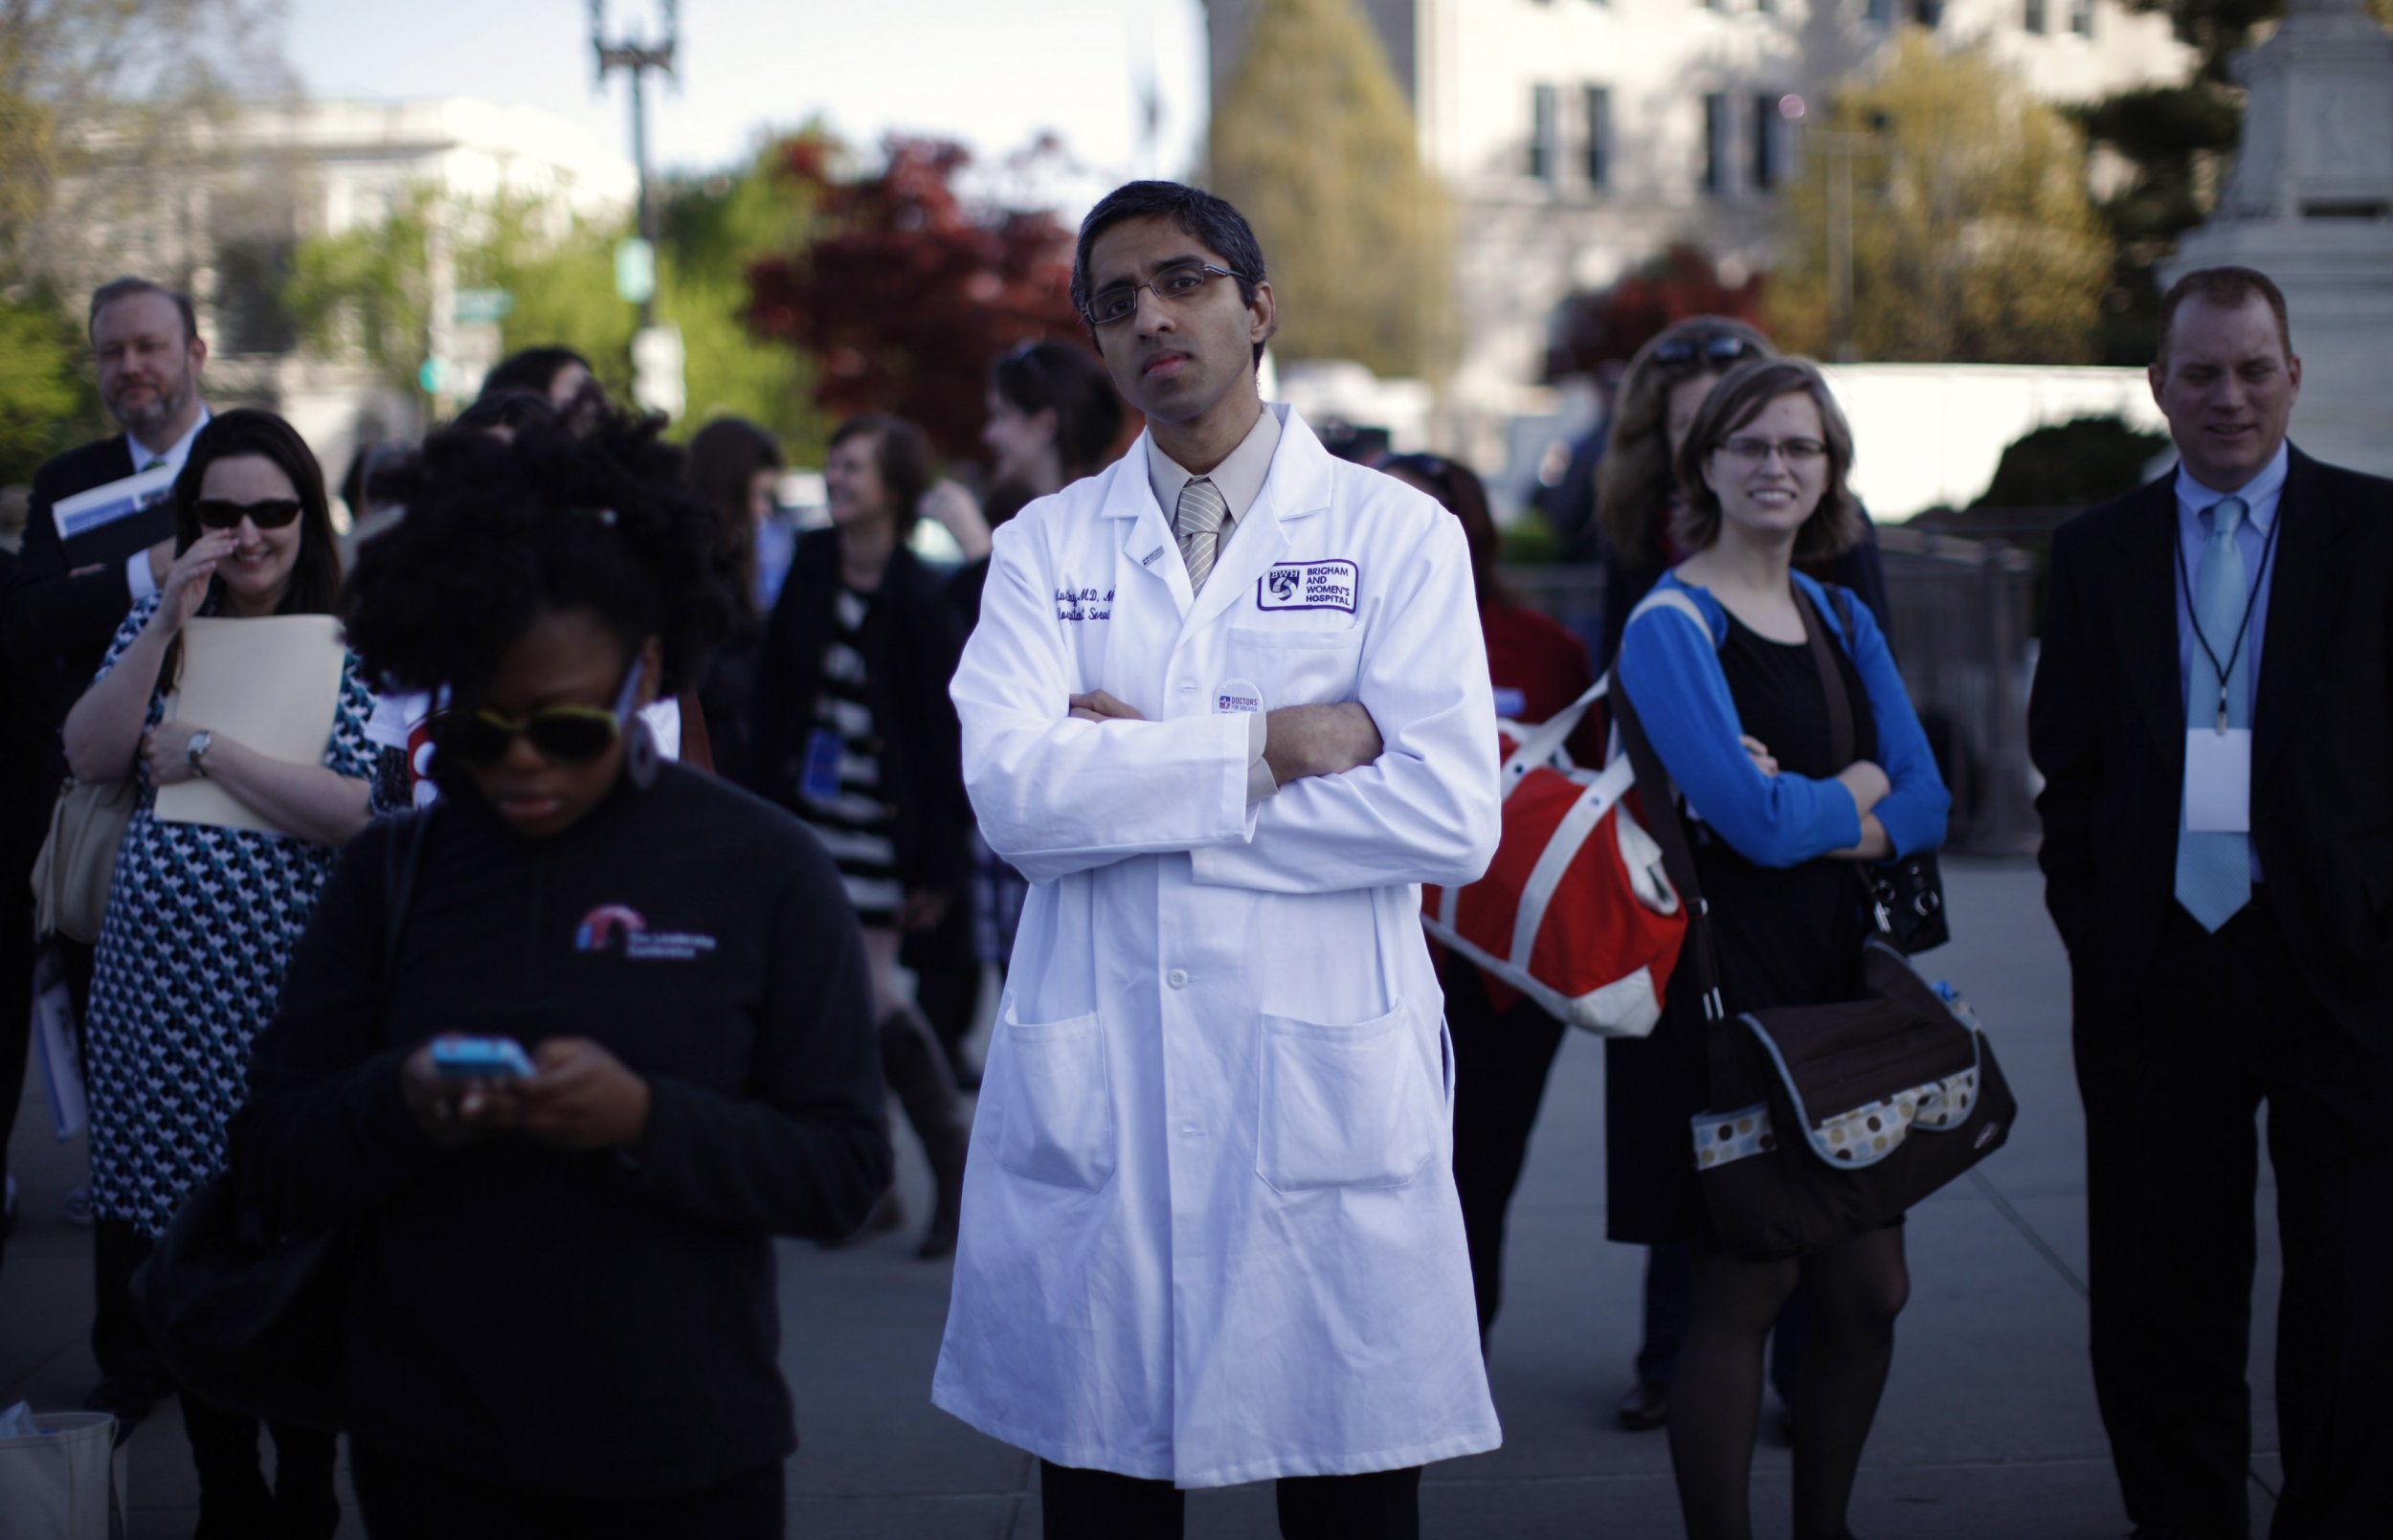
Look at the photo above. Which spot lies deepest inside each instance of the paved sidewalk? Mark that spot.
(1988, 1431)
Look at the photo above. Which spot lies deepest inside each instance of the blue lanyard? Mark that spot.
(2251, 602)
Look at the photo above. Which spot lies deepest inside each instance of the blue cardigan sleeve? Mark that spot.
(1670, 668)
(1913, 811)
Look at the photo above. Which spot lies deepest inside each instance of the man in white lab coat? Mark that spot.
(1227, 707)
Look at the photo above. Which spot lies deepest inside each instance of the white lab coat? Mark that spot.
(1210, 1225)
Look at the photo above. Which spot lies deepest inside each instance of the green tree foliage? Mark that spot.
(366, 292)
(2172, 143)
(2072, 464)
(47, 402)
(105, 106)
(1315, 143)
(1973, 238)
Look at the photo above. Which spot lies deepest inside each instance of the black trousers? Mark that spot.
(119, 1343)
(233, 1491)
(1501, 1061)
(1098, 1504)
(401, 1499)
(2226, 1025)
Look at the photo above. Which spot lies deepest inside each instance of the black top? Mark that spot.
(1785, 936)
(909, 647)
(1859, 568)
(582, 1324)
(57, 626)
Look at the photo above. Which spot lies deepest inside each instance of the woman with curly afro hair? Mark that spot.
(560, 1313)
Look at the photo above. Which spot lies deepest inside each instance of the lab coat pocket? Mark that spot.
(1058, 1121)
(1343, 1105)
(1297, 664)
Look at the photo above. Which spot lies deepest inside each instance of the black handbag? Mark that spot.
(1826, 1121)
(1906, 894)
(244, 1316)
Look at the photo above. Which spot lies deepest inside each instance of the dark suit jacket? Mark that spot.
(58, 627)
(910, 651)
(2107, 727)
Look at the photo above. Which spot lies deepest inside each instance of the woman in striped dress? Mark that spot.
(854, 734)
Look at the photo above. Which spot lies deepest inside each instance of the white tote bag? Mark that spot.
(61, 1481)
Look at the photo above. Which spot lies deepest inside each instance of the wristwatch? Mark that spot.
(196, 751)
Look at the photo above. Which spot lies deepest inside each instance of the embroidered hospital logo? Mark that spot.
(616, 928)
(1330, 585)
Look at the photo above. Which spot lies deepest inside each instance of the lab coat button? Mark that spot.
(1177, 978)
(1186, 686)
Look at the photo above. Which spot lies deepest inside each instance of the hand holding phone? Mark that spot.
(491, 1058)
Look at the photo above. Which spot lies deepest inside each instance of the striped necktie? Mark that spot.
(1198, 525)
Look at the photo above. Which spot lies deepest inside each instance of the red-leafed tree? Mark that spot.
(909, 292)
(1612, 324)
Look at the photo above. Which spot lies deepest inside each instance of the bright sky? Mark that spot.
(993, 75)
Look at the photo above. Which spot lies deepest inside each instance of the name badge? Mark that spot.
(819, 780)
(2217, 780)
(1329, 585)
(1237, 697)
(1509, 702)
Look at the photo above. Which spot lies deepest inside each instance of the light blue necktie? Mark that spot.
(2214, 870)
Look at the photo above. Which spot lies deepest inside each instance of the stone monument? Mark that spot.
(2309, 203)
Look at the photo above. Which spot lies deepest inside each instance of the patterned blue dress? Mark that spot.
(200, 925)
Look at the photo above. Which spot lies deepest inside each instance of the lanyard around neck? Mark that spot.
(2251, 602)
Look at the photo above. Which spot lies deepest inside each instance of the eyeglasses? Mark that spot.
(566, 734)
(270, 513)
(1720, 347)
(1755, 451)
(1178, 282)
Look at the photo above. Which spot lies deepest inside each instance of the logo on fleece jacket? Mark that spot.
(618, 928)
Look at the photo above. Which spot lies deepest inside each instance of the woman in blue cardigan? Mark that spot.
(1716, 662)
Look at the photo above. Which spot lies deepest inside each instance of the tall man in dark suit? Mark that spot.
(59, 618)
(2213, 716)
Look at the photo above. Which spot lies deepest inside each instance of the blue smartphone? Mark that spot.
(481, 1058)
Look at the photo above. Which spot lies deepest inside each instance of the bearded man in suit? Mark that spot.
(2213, 716)
(60, 616)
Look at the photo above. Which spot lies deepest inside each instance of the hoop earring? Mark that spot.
(639, 753)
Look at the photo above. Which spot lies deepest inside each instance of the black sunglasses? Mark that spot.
(268, 513)
(1720, 347)
(564, 734)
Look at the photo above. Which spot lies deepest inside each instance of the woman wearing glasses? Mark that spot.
(201, 919)
(1640, 508)
(560, 1312)
(1718, 663)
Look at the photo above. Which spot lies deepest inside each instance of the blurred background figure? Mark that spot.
(560, 375)
(201, 919)
(380, 480)
(1504, 1044)
(734, 466)
(854, 733)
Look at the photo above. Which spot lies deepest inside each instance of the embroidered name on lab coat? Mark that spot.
(1308, 586)
(1083, 604)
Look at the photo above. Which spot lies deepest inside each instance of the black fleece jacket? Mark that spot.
(578, 1324)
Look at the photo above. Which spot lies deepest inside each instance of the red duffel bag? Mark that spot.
(1574, 911)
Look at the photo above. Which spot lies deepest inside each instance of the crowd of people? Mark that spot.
(704, 835)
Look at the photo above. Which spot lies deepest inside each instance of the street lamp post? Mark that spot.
(1841, 146)
(636, 57)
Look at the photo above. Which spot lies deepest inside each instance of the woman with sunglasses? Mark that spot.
(1641, 509)
(202, 920)
(1718, 660)
(560, 1312)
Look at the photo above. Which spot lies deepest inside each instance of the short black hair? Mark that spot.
(532, 368)
(124, 288)
(1214, 222)
(1062, 378)
(504, 531)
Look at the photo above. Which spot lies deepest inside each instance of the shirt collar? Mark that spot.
(176, 452)
(1239, 477)
(2261, 494)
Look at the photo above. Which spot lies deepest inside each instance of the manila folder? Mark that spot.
(270, 684)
